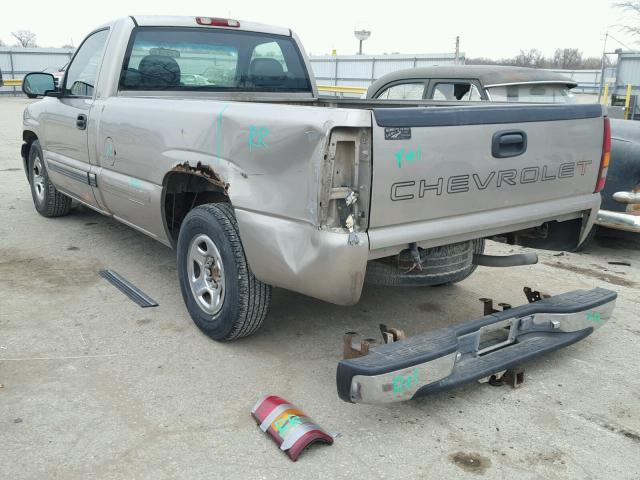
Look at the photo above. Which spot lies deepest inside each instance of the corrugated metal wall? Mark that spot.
(628, 73)
(15, 63)
(362, 70)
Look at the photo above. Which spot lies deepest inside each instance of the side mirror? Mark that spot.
(38, 84)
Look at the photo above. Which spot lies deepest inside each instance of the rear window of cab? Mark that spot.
(172, 58)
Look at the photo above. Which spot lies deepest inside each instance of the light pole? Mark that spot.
(362, 35)
(604, 60)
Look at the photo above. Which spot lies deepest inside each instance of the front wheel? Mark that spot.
(49, 202)
(219, 290)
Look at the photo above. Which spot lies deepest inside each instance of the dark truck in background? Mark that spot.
(620, 208)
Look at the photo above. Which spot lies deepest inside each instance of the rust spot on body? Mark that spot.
(201, 170)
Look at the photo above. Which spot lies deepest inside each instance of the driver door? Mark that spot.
(66, 151)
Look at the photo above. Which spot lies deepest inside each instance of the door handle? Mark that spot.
(81, 121)
(508, 143)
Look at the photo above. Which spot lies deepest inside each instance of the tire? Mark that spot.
(49, 202)
(210, 255)
(440, 266)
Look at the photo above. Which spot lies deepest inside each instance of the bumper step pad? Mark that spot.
(442, 359)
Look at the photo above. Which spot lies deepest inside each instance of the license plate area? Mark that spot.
(497, 335)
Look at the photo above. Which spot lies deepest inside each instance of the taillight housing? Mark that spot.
(217, 22)
(606, 155)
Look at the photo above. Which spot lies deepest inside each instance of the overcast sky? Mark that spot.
(494, 28)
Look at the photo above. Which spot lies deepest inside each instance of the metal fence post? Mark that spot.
(373, 69)
(335, 75)
(13, 74)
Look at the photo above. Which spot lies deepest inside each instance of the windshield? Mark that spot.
(160, 58)
(532, 93)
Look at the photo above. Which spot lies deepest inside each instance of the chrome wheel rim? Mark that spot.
(38, 178)
(206, 274)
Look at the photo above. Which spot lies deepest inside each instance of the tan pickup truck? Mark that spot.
(208, 135)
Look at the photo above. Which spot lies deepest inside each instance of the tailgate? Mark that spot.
(436, 162)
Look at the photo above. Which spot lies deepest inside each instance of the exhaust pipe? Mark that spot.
(505, 261)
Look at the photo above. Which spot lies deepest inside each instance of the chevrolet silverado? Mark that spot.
(208, 135)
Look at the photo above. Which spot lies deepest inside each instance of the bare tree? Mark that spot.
(26, 38)
(529, 58)
(567, 58)
(595, 63)
(632, 28)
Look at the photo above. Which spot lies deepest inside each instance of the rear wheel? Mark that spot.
(440, 266)
(49, 202)
(222, 296)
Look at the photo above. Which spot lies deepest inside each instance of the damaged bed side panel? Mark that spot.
(268, 159)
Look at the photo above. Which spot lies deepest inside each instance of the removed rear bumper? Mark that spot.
(445, 358)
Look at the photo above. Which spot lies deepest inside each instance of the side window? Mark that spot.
(452, 91)
(83, 70)
(403, 91)
(536, 93)
(474, 94)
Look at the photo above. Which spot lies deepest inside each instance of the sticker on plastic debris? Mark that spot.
(288, 426)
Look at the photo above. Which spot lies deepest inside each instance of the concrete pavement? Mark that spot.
(94, 386)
